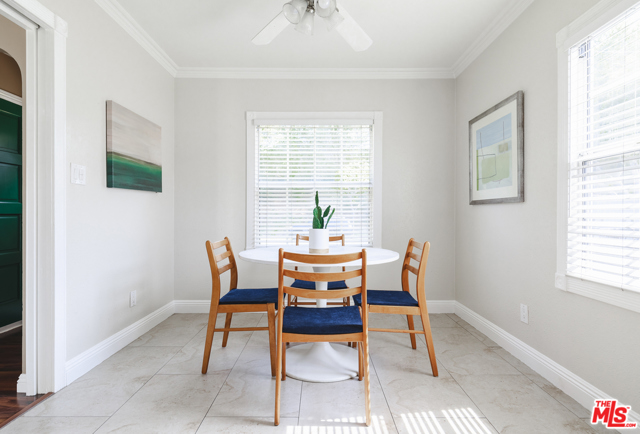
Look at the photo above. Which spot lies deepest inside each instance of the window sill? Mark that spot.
(625, 299)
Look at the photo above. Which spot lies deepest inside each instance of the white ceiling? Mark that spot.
(406, 34)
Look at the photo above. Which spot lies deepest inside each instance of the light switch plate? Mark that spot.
(78, 174)
(524, 313)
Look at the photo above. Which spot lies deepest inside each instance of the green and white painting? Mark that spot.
(493, 154)
(496, 153)
(134, 150)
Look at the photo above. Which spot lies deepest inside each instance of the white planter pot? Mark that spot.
(318, 240)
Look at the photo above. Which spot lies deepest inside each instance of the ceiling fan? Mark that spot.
(302, 13)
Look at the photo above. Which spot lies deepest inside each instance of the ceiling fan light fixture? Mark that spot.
(333, 20)
(306, 24)
(325, 8)
(295, 10)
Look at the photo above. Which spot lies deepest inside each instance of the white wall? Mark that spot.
(211, 169)
(117, 240)
(506, 254)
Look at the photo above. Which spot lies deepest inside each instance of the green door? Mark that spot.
(10, 213)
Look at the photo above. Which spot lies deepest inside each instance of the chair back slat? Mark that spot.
(322, 277)
(321, 295)
(331, 239)
(420, 271)
(304, 258)
(217, 270)
(222, 256)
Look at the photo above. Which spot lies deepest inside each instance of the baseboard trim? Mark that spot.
(571, 384)
(84, 362)
(10, 327)
(202, 306)
(22, 384)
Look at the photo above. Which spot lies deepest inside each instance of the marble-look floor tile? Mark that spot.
(545, 385)
(54, 425)
(477, 362)
(105, 388)
(455, 339)
(250, 389)
(514, 404)
(409, 387)
(176, 331)
(167, 404)
(260, 338)
(600, 428)
(343, 404)
(248, 425)
(454, 422)
(189, 359)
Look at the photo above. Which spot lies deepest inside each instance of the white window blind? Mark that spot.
(294, 161)
(603, 236)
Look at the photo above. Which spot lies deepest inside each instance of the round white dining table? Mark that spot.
(321, 362)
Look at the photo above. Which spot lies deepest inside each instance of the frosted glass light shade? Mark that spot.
(306, 24)
(325, 8)
(295, 10)
(333, 20)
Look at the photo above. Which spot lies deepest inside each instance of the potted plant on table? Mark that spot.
(319, 234)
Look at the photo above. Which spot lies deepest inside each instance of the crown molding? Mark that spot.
(490, 34)
(131, 26)
(10, 97)
(318, 73)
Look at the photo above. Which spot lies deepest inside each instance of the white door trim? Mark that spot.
(44, 189)
(7, 96)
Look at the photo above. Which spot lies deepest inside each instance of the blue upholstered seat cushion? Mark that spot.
(387, 298)
(303, 284)
(250, 296)
(322, 321)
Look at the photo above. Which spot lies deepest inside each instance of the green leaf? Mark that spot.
(326, 211)
(316, 223)
(317, 200)
(329, 219)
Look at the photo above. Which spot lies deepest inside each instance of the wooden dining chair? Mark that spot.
(236, 300)
(330, 324)
(293, 300)
(403, 303)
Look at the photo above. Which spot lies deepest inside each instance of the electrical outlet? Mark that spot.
(132, 298)
(524, 313)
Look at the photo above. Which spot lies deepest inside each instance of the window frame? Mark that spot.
(591, 21)
(309, 118)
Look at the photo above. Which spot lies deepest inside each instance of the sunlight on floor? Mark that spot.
(460, 420)
(463, 421)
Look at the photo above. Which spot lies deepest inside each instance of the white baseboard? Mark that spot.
(192, 306)
(84, 362)
(571, 384)
(22, 384)
(10, 327)
(202, 306)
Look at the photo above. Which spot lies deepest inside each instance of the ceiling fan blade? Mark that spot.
(271, 30)
(352, 32)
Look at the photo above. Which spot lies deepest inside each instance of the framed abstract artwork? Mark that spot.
(496, 153)
(134, 150)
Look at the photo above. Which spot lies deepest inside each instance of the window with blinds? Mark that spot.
(292, 162)
(603, 236)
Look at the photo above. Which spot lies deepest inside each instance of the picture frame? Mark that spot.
(134, 150)
(496, 153)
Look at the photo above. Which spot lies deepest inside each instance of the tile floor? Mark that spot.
(154, 386)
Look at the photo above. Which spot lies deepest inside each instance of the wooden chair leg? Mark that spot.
(284, 361)
(359, 344)
(426, 327)
(411, 335)
(213, 315)
(227, 324)
(280, 350)
(367, 390)
(271, 319)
